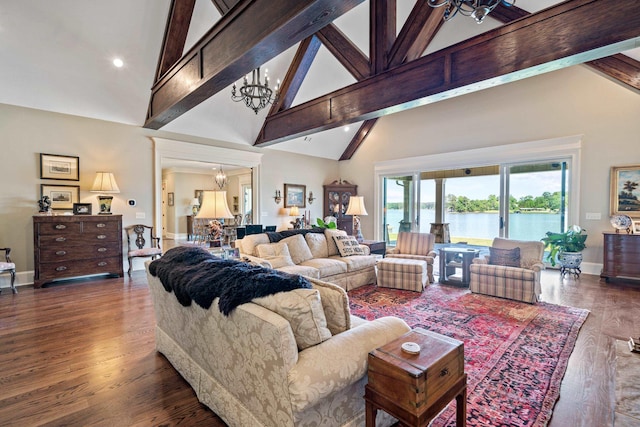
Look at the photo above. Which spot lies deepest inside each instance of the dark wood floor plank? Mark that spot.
(82, 353)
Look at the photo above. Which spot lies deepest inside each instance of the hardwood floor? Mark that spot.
(81, 353)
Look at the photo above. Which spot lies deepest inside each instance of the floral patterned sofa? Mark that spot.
(254, 367)
(313, 253)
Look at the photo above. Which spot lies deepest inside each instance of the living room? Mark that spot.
(600, 112)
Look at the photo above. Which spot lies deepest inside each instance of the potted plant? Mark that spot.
(566, 247)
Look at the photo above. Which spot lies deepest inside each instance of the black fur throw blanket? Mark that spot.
(192, 273)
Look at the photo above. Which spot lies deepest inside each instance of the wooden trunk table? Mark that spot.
(414, 388)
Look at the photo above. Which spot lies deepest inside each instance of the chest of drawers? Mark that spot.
(71, 246)
(621, 256)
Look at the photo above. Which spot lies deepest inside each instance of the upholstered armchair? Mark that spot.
(512, 270)
(415, 246)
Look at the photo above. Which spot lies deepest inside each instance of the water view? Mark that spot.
(482, 225)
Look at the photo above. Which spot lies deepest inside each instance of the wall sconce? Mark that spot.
(311, 198)
(277, 197)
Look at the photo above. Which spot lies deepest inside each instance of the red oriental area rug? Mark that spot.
(515, 353)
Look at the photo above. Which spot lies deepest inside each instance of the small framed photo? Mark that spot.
(295, 195)
(53, 166)
(636, 227)
(170, 199)
(82, 208)
(625, 191)
(62, 196)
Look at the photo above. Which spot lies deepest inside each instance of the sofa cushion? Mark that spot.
(302, 270)
(357, 262)
(303, 310)
(348, 245)
(317, 244)
(335, 304)
(298, 248)
(331, 244)
(250, 242)
(276, 253)
(326, 266)
(505, 257)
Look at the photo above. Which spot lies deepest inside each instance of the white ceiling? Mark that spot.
(57, 56)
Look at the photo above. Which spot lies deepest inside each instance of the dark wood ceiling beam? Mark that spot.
(620, 67)
(417, 32)
(224, 6)
(567, 34)
(250, 34)
(175, 35)
(382, 33)
(358, 139)
(345, 51)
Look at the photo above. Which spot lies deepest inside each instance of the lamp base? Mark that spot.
(356, 229)
(105, 205)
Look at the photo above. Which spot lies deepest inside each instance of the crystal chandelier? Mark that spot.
(477, 9)
(221, 178)
(255, 95)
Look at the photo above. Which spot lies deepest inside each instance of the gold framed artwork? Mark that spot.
(295, 195)
(625, 191)
(62, 196)
(53, 166)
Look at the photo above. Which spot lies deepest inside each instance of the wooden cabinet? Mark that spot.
(79, 245)
(336, 201)
(621, 256)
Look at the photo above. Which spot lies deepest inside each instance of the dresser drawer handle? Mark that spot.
(102, 249)
(444, 372)
(102, 264)
(60, 226)
(61, 253)
(61, 268)
(101, 225)
(61, 239)
(101, 236)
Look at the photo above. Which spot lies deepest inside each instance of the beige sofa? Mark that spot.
(312, 254)
(249, 368)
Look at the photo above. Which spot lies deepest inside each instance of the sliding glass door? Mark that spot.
(398, 206)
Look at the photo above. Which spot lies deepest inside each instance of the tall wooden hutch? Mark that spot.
(336, 201)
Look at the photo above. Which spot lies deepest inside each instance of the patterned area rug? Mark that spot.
(515, 353)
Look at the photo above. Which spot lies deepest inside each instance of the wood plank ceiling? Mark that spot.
(396, 76)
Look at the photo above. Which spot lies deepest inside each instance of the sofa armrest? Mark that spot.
(537, 266)
(366, 249)
(484, 261)
(392, 251)
(340, 361)
(432, 254)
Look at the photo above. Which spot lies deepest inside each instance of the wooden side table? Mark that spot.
(375, 246)
(414, 388)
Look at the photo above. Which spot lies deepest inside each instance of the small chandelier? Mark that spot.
(255, 95)
(221, 178)
(477, 9)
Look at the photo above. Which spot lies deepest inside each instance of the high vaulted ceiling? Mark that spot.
(57, 57)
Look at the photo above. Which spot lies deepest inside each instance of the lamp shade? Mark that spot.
(214, 205)
(356, 206)
(104, 183)
(195, 202)
(294, 211)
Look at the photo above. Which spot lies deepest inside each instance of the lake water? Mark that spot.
(529, 226)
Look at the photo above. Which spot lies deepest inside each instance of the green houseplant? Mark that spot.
(571, 241)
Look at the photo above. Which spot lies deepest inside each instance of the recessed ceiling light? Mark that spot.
(346, 128)
(118, 62)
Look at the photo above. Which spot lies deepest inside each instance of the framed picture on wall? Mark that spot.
(625, 191)
(295, 195)
(170, 199)
(53, 166)
(62, 196)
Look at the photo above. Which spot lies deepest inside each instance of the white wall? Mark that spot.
(567, 102)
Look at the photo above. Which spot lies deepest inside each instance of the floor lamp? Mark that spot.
(356, 208)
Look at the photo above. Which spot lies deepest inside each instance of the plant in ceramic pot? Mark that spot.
(566, 247)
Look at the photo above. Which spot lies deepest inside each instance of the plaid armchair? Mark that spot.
(415, 246)
(520, 283)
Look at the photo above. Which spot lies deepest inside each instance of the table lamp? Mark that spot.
(105, 183)
(356, 208)
(195, 203)
(214, 206)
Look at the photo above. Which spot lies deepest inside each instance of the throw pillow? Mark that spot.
(505, 257)
(302, 308)
(348, 245)
(317, 244)
(298, 248)
(335, 304)
(276, 253)
(331, 244)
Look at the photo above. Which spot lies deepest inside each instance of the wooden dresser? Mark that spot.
(621, 256)
(78, 245)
